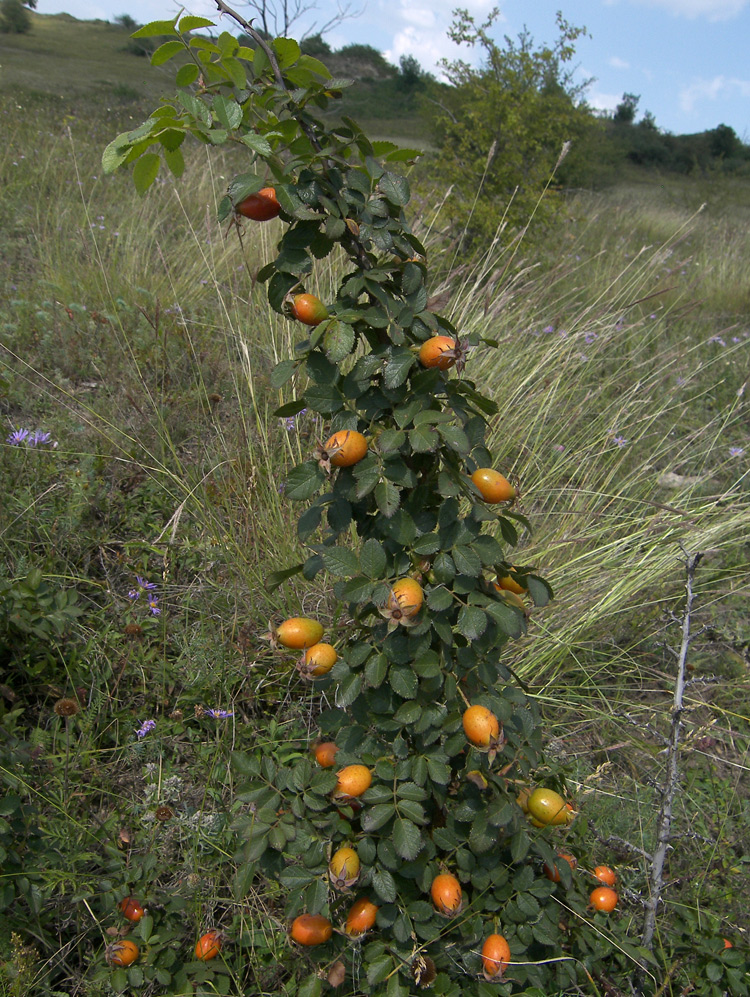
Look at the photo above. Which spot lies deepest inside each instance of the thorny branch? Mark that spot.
(664, 820)
(354, 246)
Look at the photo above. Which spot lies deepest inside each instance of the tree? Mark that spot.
(500, 129)
(14, 18)
(278, 16)
(626, 110)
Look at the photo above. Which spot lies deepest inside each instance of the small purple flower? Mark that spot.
(153, 605)
(133, 594)
(218, 714)
(620, 441)
(17, 437)
(681, 381)
(548, 328)
(145, 727)
(736, 451)
(144, 584)
(590, 337)
(717, 339)
(39, 438)
(735, 339)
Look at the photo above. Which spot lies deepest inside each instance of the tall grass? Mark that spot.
(135, 329)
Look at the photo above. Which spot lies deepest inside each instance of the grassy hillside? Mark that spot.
(70, 58)
(134, 333)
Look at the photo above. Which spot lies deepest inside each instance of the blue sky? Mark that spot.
(687, 59)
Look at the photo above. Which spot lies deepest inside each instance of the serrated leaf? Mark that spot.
(438, 771)
(145, 171)
(398, 366)
(348, 690)
(372, 558)
(439, 599)
(228, 112)
(394, 188)
(407, 839)
(384, 885)
(166, 52)
(403, 681)
(311, 986)
(388, 498)
(338, 341)
(509, 620)
(258, 144)
(472, 622)
(424, 439)
(467, 562)
(456, 439)
(282, 372)
(539, 590)
(358, 590)
(376, 670)
(304, 481)
(408, 713)
(154, 28)
(191, 21)
(376, 816)
(340, 561)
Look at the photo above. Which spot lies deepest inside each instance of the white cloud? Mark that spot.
(618, 63)
(601, 101)
(419, 15)
(720, 86)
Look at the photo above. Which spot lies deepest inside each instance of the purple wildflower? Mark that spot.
(548, 328)
(133, 594)
(218, 714)
(144, 584)
(717, 339)
(145, 727)
(153, 605)
(590, 337)
(17, 437)
(39, 438)
(620, 441)
(736, 451)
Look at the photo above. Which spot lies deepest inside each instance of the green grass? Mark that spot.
(133, 331)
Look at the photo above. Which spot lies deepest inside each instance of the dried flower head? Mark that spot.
(133, 631)
(66, 707)
(164, 813)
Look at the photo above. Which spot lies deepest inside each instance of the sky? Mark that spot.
(687, 60)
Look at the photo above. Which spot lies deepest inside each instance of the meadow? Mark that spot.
(145, 508)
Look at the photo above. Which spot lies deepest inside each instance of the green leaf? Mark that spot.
(466, 561)
(348, 690)
(277, 578)
(407, 839)
(191, 21)
(291, 408)
(187, 74)
(472, 622)
(408, 713)
(311, 986)
(258, 144)
(456, 438)
(379, 968)
(282, 372)
(376, 816)
(372, 558)
(228, 112)
(154, 28)
(438, 770)
(394, 188)
(175, 161)
(398, 366)
(166, 52)
(338, 341)
(424, 439)
(304, 481)
(403, 681)
(145, 171)
(340, 561)
(388, 498)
